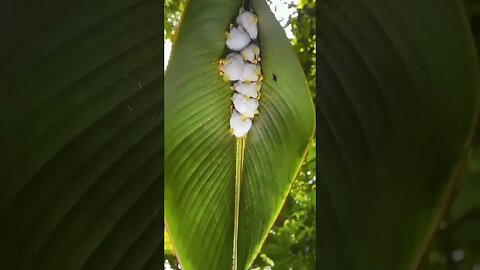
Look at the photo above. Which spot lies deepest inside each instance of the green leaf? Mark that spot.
(81, 135)
(398, 97)
(465, 210)
(200, 152)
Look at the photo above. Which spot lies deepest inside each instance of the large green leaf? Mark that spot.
(398, 94)
(200, 152)
(81, 134)
(464, 223)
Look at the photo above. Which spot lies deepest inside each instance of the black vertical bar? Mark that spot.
(247, 4)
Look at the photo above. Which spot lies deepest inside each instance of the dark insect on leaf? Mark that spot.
(274, 77)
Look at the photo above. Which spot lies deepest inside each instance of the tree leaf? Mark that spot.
(81, 137)
(398, 96)
(200, 152)
(465, 209)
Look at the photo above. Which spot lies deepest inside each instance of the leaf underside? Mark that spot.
(81, 136)
(398, 94)
(200, 152)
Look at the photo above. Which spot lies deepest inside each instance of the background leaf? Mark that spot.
(81, 137)
(398, 91)
(200, 152)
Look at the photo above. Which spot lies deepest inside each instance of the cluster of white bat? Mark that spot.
(242, 67)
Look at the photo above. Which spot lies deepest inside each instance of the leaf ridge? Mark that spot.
(238, 177)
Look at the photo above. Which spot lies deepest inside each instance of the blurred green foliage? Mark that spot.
(456, 246)
(303, 24)
(172, 14)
